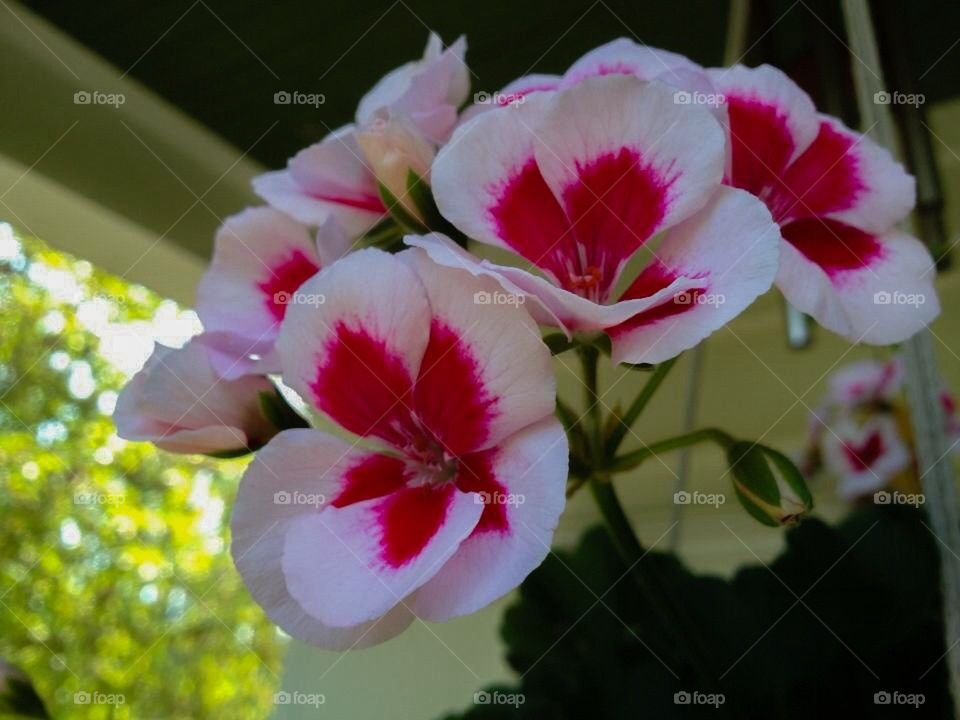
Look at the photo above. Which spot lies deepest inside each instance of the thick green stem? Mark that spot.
(633, 459)
(637, 406)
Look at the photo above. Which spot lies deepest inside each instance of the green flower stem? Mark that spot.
(633, 459)
(639, 403)
(655, 588)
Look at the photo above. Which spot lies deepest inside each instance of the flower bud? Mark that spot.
(392, 148)
(768, 484)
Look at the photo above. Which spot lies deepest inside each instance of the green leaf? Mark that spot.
(277, 410)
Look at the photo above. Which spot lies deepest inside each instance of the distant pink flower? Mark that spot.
(837, 196)
(180, 404)
(865, 457)
(260, 259)
(335, 178)
(344, 543)
(577, 182)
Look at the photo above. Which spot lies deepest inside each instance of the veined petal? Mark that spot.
(729, 251)
(180, 404)
(260, 258)
(625, 161)
(329, 178)
(375, 552)
(847, 177)
(771, 123)
(626, 57)
(521, 485)
(302, 472)
(485, 373)
(355, 353)
(869, 288)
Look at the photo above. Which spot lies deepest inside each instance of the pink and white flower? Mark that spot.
(261, 257)
(180, 404)
(451, 498)
(837, 196)
(577, 182)
(865, 458)
(428, 91)
(328, 180)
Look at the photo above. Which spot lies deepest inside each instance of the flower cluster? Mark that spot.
(860, 432)
(646, 199)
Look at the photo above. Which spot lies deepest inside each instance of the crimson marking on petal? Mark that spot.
(530, 220)
(863, 456)
(475, 474)
(374, 476)
(836, 247)
(370, 203)
(761, 143)
(617, 202)
(284, 280)
(654, 278)
(824, 179)
(408, 520)
(364, 386)
(677, 305)
(450, 397)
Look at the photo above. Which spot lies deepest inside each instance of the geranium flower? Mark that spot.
(577, 182)
(180, 404)
(837, 196)
(260, 258)
(867, 457)
(449, 496)
(334, 178)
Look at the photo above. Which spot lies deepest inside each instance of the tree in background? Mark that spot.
(117, 595)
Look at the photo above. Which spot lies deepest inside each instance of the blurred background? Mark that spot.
(114, 571)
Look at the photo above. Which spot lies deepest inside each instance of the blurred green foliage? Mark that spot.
(117, 594)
